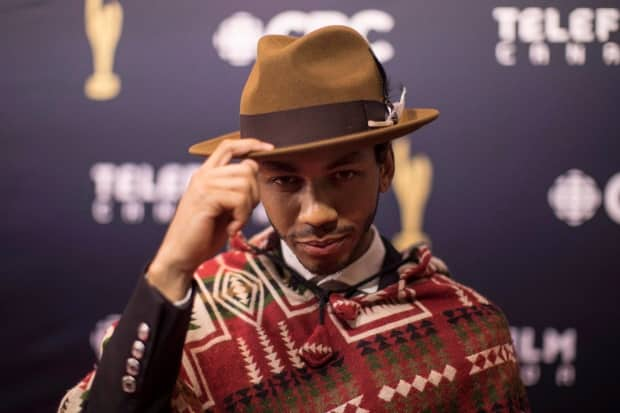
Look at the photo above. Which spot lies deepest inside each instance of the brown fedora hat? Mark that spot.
(315, 91)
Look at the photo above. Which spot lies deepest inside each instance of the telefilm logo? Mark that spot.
(130, 191)
(550, 350)
(584, 32)
(236, 36)
(575, 197)
(126, 189)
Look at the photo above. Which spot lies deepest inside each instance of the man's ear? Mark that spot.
(386, 169)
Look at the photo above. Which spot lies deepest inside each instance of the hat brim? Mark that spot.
(411, 119)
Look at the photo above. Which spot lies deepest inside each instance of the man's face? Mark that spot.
(323, 202)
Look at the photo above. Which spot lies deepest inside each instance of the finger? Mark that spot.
(253, 165)
(219, 177)
(239, 206)
(229, 149)
(248, 170)
(233, 169)
(237, 203)
(236, 184)
(240, 148)
(205, 175)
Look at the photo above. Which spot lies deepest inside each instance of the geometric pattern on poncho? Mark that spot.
(399, 336)
(491, 357)
(418, 383)
(307, 383)
(379, 318)
(352, 406)
(439, 347)
(241, 293)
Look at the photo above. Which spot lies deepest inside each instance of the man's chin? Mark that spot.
(322, 267)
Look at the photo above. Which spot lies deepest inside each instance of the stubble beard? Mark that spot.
(357, 250)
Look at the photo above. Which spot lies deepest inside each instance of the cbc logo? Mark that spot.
(575, 197)
(236, 37)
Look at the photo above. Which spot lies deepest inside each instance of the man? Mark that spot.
(317, 313)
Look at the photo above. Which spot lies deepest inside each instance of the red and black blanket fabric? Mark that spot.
(425, 343)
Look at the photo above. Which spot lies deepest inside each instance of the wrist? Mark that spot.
(171, 282)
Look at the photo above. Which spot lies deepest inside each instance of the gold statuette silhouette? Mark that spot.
(104, 23)
(412, 186)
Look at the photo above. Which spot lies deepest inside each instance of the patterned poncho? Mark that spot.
(423, 344)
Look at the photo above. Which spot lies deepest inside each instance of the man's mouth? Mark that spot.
(322, 247)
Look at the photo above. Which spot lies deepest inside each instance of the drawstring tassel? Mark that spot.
(344, 308)
(317, 350)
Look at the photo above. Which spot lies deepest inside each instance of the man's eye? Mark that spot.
(345, 175)
(285, 180)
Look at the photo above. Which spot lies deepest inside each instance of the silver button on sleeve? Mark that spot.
(129, 384)
(133, 366)
(137, 350)
(143, 331)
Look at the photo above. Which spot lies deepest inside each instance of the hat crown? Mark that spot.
(330, 65)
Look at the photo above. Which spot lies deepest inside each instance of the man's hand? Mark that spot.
(217, 203)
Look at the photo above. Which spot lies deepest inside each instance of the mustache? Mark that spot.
(319, 232)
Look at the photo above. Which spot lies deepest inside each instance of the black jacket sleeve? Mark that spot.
(141, 361)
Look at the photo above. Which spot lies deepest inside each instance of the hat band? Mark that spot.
(305, 125)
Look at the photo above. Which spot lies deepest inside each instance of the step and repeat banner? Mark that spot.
(516, 185)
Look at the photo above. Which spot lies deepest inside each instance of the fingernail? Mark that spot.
(233, 229)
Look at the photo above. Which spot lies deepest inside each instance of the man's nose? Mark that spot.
(317, 211)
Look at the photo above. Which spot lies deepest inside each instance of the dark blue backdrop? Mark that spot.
(525, 198)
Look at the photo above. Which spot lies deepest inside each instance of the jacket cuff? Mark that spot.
(141, 361)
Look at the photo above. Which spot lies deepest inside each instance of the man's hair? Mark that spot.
(381, 151)
(384, 79)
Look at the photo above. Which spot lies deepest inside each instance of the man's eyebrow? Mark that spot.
(279, 166)
(346, 159)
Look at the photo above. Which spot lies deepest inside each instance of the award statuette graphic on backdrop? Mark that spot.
(104, 24)
(412, 186)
